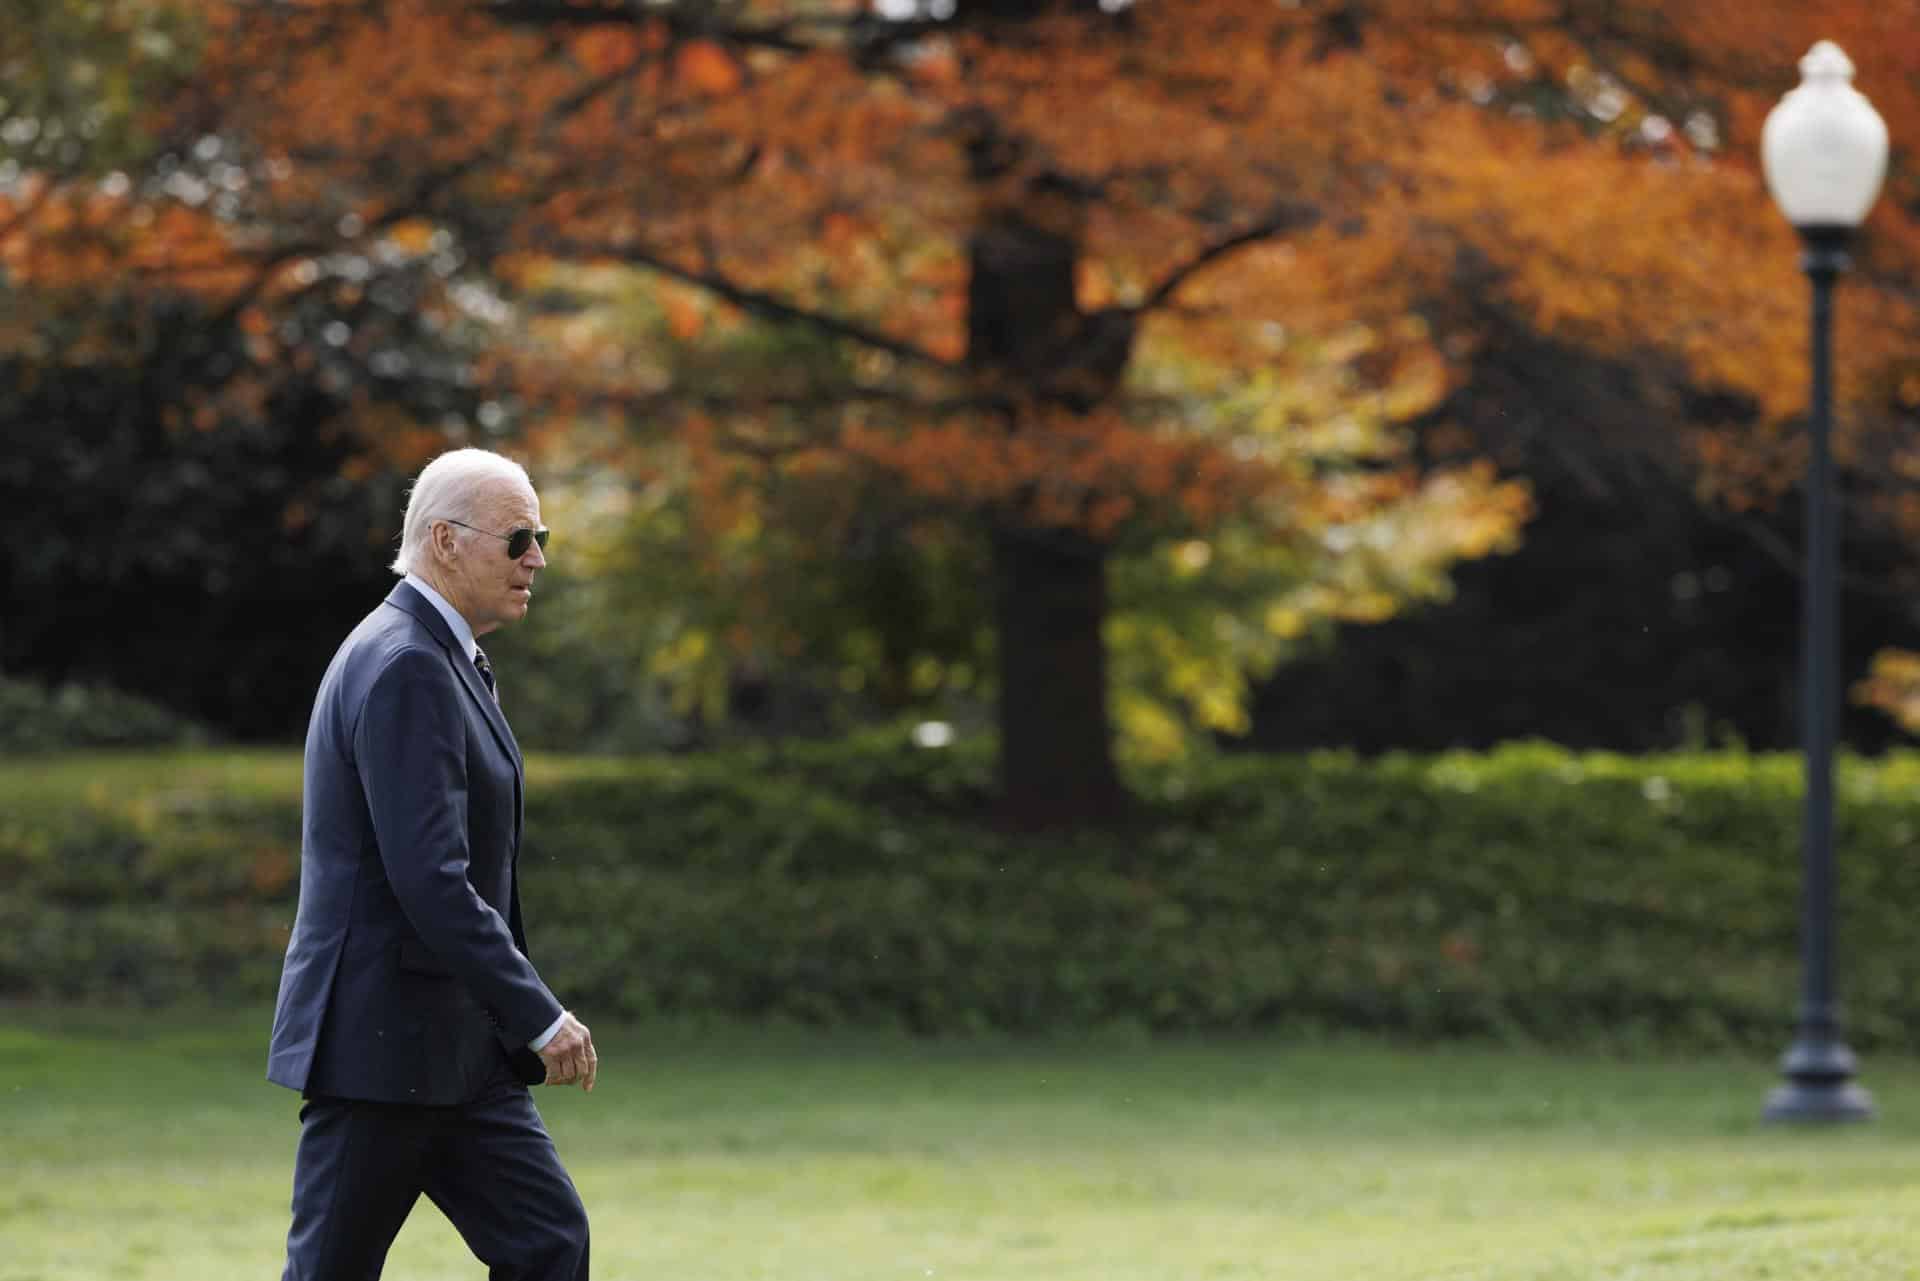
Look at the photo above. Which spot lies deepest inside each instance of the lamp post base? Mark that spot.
(1819, 1086)
(1822, 1102)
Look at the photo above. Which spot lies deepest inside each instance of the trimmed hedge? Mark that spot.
(1523, 894)
(34, 719)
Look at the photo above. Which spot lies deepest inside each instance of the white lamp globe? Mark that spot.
(1824, 147)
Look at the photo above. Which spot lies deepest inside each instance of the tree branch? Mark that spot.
(1285, 218)
(549, 13)
(654, 402)
(425, 191)
(760, 302)
(27, 212)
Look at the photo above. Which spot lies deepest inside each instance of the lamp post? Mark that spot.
(1824, 150)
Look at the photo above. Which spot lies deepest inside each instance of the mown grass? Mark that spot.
(146, 1146)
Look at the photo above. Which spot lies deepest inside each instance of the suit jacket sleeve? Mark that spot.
(410, 745)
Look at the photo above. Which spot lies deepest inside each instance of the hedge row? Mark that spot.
(34, 719)
(1527, 893)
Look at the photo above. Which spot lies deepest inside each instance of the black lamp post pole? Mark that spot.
(1818, 1066)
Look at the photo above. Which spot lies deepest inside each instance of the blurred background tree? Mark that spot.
(203, 460)
(908, 357)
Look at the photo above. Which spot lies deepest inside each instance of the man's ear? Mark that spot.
(444, 544)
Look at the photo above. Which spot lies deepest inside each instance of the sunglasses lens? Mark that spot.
(520, 539)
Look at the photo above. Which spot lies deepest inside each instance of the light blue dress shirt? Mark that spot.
(463, 632)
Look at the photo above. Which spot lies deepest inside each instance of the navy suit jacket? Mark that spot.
(407, 977)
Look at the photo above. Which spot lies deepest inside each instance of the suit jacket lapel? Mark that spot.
(405, 598)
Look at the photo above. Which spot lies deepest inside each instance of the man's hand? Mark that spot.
(569, 1055)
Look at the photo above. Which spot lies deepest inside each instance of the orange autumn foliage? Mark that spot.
(1598, 159)
(1585, 168)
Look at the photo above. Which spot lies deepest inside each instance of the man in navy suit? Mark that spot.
(410, 1016)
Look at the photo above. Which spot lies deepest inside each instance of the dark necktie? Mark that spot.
(486, 673)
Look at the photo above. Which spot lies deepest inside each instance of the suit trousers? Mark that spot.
(488, 1165)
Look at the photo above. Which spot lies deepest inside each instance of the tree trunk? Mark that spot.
(1056, 749)
(1024, 327)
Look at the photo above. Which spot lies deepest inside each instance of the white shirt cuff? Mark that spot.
(539, 1043)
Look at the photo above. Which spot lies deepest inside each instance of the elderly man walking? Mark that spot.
(410, 1017)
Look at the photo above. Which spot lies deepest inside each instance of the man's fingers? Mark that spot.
(570, 1056)
(562, 1056)
(584, 1058)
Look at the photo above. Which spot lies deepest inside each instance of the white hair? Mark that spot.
(450, 488)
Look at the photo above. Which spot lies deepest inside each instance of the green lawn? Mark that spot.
(147, 1146)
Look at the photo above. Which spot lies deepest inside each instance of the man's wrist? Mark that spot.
(540, 1042)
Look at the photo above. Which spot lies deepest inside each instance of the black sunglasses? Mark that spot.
(517, 540)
